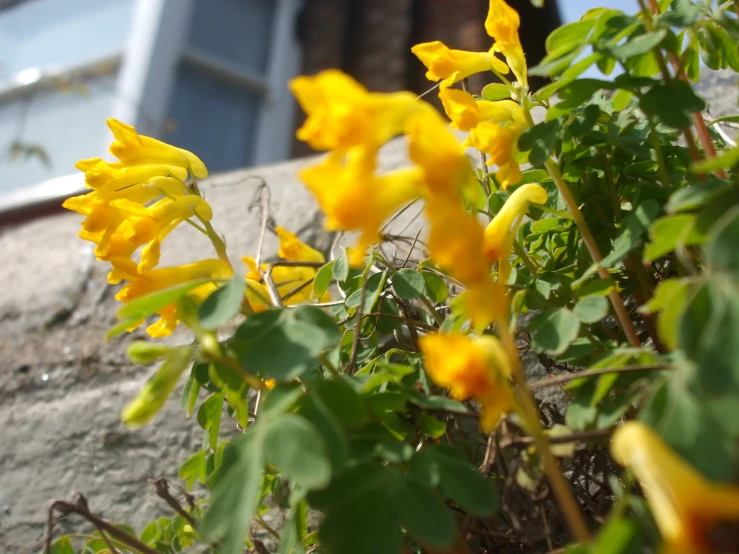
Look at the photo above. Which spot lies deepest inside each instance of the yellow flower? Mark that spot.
(293, 281)
(501, 231)
(471, 367)
(134, 149)
(293, 249)
(466, 112)
(502, 24)
(342, 114)
(684, 504)
(499, 143)
(485, 301)
(354, 199)
(456, 239)
(455, 65)
(437, 151)
(158, 279)
(101, 175)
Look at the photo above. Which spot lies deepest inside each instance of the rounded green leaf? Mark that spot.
(323, 279)
(423, 515)
(340, 269)
(722, 251)
(408, 283)
(223, 304)
(296, 448)
(591, 309)
(496, 91)
(435, 286)
(553, 331)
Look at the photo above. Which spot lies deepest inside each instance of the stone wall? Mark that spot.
(62, 387)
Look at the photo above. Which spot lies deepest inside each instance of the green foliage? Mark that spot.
(333, 408)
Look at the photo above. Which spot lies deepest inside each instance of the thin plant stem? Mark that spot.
(521, 253)
(551, 381)
(700, 124)
(618, 306)
(563, 493)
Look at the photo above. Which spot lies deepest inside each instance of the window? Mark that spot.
(206, 75)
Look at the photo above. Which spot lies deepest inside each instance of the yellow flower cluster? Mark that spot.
(134, 204)
(292, 282)
(685, 505)
(351, 124)
(138, 200)
(495, 127)
(471, 367)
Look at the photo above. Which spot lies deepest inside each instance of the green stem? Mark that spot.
(618, 306)
(521, 253)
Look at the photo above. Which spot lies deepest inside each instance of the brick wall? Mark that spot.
(371, 39)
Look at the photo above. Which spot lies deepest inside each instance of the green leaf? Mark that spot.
(722, 252)
(194, 469)
(209, 417)
(144, 306)
(423, 515)
(445, 466)
(669, 300)
(496, 91)
(190, 394)
(408, 283)
(553, 330)
(368, 525)
(340, 269)
(685, 423)
(296, 448)
(236, 493)
(694, 196)
(342, 401)
(432, 426)
(63, 545)
(636, 46)
(601, 287)
(708, 334)
(726, 160)
(672, 103)
(591, 309)
(669, 232)
(222, 304)
(322, 280)
(280, 399)
(436, 287)
(155, 392)
(373, 288)
(566, 38)
(283, 344)
(619, 536)
(540, 140)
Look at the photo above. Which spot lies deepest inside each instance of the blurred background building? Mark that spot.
(206, 75)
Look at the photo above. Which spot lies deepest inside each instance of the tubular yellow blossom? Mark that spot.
(471, 367)
(440, 155)
(134, 149)
(684, 504)
(502, 25)
(501, 231)
(485, 301)
(158, 279)
(101, 175)
(499, 143)
(342, 114)
(456, 239)
(466, 112)
(293, 249)
(354, 199)
(454, 65)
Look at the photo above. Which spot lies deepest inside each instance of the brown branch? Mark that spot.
(161, 486)
(574, 437)
(80, 507)
(593, 373)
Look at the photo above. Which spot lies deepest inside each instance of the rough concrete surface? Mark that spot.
(62, 387)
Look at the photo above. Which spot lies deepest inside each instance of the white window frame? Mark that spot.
(147, 72)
